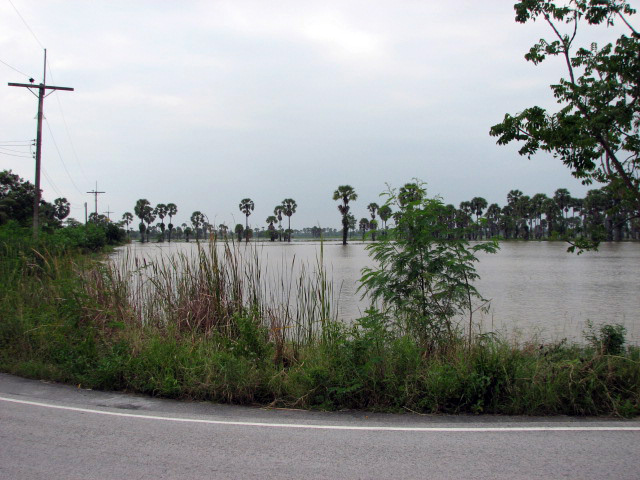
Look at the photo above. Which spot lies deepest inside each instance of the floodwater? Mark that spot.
(538, 291)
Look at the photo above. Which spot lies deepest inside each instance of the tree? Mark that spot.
(595, 132)
(346, 194)
(246, 206)
(424, 270)
(239, 231)
(373, 209)
(172, 210)
(271, 220)
(142, 210)
(289, 206)
(363, 225)
(161, 211)
(127, 218)
(197, 220)
(385, 213)
(16, 201)
(61, 208)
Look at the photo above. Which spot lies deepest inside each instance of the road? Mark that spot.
(53, 431)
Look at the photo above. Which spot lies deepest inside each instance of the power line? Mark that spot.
(14, 155)
(66, 127)
(26, 24)
(60, 156)
(53, 185)
(14, 68)
(12, 150)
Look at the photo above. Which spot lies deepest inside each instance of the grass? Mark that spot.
(217, 326)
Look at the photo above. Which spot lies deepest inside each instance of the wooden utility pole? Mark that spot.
(42, 88)
(95, 194)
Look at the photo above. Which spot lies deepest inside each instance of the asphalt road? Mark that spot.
(55, 431)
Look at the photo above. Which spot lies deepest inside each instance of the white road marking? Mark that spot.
(330, 427)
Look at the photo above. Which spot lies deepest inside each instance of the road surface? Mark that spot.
(50, 431)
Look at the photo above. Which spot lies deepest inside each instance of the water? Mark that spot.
(538, 291)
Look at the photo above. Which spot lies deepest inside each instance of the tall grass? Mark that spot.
(218, 325)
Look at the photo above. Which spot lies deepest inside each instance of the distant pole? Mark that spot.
(85, 213)
(95, 194)
(41, 94)
(108, 212)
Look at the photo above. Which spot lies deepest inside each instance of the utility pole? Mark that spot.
(108, 212)
(85, 213)
(95, 194)
(42, 88)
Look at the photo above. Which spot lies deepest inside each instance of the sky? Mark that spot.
(204, 103)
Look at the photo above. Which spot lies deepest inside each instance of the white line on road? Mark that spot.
(330, 427)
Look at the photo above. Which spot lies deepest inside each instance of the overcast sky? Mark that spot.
(204, 103)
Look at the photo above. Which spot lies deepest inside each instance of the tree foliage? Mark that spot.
(595, 132)
(424, 269)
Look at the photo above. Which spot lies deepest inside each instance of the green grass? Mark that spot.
(211, 327)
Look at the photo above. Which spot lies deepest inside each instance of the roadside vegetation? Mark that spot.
(216, 326)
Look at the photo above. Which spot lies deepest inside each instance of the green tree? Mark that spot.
(172, 210)
(61, 208)
(142, 210)
(271, 220)
(373, 210)
(385, 213)
(239, 231)
(595, 132)
(424, 271)
(127, 218)
(197, 220)
(345, 194)
(161, 211)
(246, 206)
(363, 226)
(289, 206)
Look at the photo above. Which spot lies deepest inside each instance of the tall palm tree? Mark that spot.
(172, 209)
(246, 206)
(289, 206)
(161, 212)
(277, 211)
(562, 197)
(364, 226)
(127, 218)
(385, 214)
(197, 220)
(142, 209)
(346, 194)
(373, 209)
(478, 204)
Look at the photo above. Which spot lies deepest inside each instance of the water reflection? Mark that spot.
(537, 289)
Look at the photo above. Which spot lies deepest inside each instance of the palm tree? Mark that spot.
(239, 230)
(197, 219)
(271, 219)
(493, 217)
(277, 211)
(345, 193)
(142, 208)
(61, 208)
(127, 218)
(385, 214)
(478, 204)
(373, 209)
(161, 212)
(289, 206)
(364, 226)
(562, 197)
(246, 206)
(172, 209)
(351, 223)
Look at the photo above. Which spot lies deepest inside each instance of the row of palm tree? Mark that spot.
(600, 214)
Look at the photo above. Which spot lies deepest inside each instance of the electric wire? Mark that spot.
(51, 184)
(66, 127)
(14, 68)
(26, 24)
(60, 156)
(14, 155)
